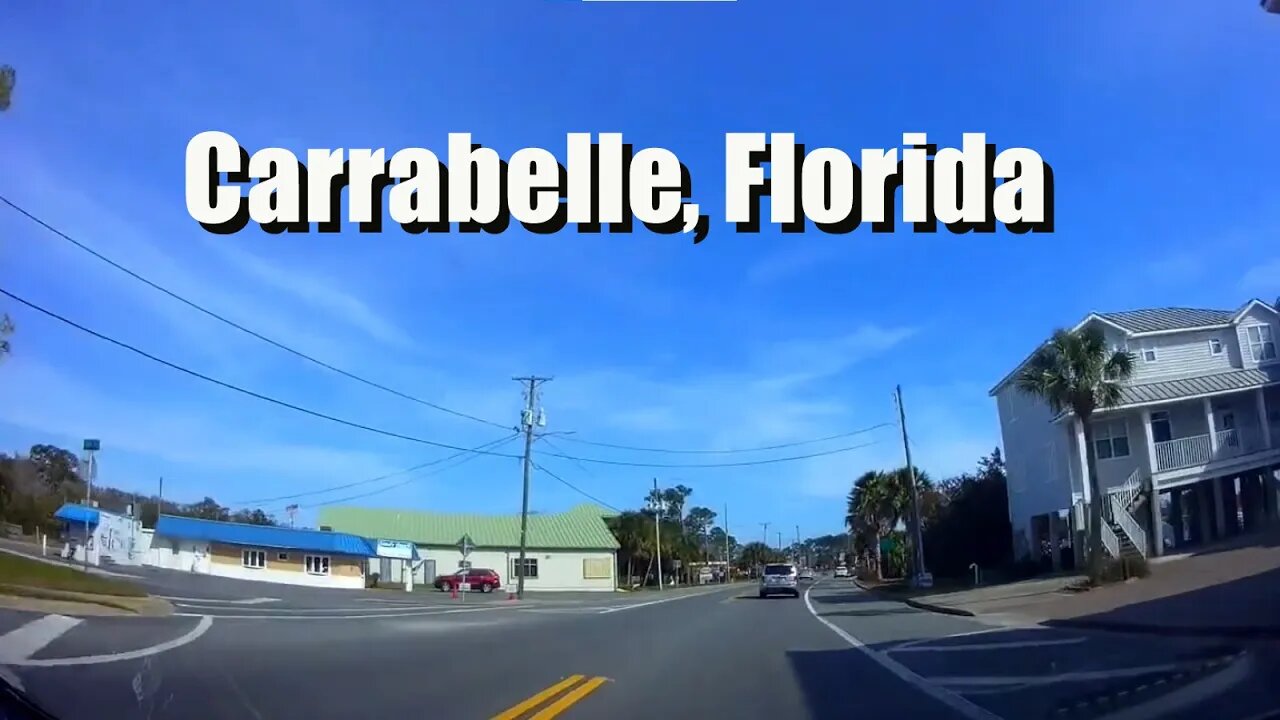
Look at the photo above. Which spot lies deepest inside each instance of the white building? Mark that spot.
(572, 550)
(1198, 425)
(107, 537)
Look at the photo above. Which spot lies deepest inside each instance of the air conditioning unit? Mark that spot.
(1271, 6)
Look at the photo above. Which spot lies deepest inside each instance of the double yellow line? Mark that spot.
(568, 700)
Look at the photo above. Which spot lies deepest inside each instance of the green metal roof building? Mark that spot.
(570, 550)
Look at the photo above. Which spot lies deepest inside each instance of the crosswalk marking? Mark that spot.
(19, 645)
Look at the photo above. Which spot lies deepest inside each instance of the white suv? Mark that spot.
(779, 579)
(842, 571)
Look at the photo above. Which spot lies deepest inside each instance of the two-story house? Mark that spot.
(1198, 428)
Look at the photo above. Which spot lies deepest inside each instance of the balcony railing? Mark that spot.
(1197, 450)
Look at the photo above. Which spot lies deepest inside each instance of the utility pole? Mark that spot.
(530, 418)
(766, 534)
(726, 542)
(779, 541)
(91, 447)
(917, 541)
(797, 543)
(657, 529)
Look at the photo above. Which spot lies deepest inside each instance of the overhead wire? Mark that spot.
(392, 434)
(575, 488)
(241, 390)
(248, 331)
(368, 481)
(814, 441)
(468, 457)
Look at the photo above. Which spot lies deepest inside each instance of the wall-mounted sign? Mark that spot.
(397, 549)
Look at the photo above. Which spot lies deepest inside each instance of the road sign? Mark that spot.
(465, 545)
(888, 544)
(92, 445)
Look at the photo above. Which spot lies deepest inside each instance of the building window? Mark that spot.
(530, 568)
(1215, 346)
(282, 557)
(1149, 353)
(597, 568)
(316, 564)
(1111, 439)
(256, 559)
(1262, 344)
(1161, 427)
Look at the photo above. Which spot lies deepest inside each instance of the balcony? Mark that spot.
(1198, 449)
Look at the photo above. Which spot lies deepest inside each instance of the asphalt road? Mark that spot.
(718, 652)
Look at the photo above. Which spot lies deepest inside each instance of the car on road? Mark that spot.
(482, 579)
(806, 574)
(842, 571)
(779, 578)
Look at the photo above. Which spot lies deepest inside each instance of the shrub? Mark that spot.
(373, 580)
(1119, 569)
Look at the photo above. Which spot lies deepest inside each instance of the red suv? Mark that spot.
(482, 579)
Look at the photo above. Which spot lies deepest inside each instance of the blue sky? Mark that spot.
(1158, 118)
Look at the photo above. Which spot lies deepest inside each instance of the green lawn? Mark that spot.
(22, 572)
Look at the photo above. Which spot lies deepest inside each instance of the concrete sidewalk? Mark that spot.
(1223, 592)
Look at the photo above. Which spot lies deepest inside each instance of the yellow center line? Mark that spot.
(533, 702)
(564, 703)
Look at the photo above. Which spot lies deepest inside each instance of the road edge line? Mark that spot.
(952, 700)
(206, 621)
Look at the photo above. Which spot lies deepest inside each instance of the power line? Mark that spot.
(231, 323)
(576, 489)
(469, 457)
(321, 491)
(746, 463)
(243, 391)
(728, 452)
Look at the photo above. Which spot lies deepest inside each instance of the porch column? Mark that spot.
(1262, 418)
(1213, 428)
(1219, 508)
(1151, 441)
(1203, 499)
(1086, 489)
(1157, 523)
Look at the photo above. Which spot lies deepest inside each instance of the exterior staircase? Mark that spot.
(1122, 534)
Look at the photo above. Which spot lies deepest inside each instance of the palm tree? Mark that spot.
(870, 512)
(1076, 371)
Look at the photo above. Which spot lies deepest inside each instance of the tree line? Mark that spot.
(964, 520)
(33, 486)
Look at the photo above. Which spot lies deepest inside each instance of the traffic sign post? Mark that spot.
(465, 546)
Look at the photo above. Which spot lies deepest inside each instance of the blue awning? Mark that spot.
(79, 514)
(263, 536)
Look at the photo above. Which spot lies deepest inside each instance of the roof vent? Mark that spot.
(326, 528)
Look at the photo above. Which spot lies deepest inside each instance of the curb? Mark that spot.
(917, 604)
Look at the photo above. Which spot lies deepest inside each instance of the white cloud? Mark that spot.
(1262, 280)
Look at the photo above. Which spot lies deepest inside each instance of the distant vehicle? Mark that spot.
(806, 574)
(482, 579)
(842, 571)
(780, 579)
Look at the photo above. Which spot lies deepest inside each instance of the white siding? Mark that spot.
(1255, 316)
(193, 557)
(558, 570)
(1183, 355)
(1037, 455)
(1112, 472)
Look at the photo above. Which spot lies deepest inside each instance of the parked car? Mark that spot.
(779, 578)
(482, 579)
(806, 574)
(842, 571)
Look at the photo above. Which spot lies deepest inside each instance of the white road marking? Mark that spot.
(17, 646)
(921, 647)
(200, 629)
(942, 695)
(1078, 676)
(659, 602)
(251, 601)
(361, 616)
(364, 609)
(1193, 694)
(8, 676)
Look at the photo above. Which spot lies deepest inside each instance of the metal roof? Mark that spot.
(580, 528)
(1169, 318)
(263, 536)
(1199, 385)
(72, 512)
